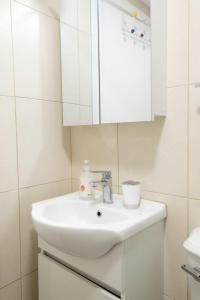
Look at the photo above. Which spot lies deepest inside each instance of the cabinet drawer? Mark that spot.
(106, 270)
(57, 282)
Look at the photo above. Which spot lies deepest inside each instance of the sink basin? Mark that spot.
(91, 228)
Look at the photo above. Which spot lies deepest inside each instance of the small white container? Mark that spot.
(131, 192)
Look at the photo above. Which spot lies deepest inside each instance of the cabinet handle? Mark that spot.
(194, 272)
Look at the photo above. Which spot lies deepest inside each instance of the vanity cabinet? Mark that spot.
(132, 270)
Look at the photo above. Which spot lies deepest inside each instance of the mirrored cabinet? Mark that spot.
(113, 60)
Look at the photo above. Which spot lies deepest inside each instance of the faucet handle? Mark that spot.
(106, 175)
(106, 183)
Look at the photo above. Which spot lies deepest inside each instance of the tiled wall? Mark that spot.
(164, 155)
(34, 147)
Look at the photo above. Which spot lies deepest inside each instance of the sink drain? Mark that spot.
(99, 213)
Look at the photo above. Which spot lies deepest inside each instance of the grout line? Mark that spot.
(77, 104)
(165, 194)
(10, 283)
(176, 86)
(188, 134)
(71, 152)
(45, 183)
(193, 198)
(29, 273)
(38, 11)
(79, 69)
(77, 179)
(35, 99)
(18, 279)
(36, 185)
(9, 191)
(54, 17)
(8, 96)
(183, 84)
(41, 99)
(17, 144)
(60, 101)
(76, 28)
(118, 173)
(154, 192)
(71, 156)
(188, 120)
(19, 98)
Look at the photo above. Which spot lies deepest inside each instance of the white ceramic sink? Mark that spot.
(90, 228)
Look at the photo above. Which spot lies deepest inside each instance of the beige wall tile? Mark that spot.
(8, 152)
(194, 143)
(37, 54)
(30, 287)
(175, 284)
(6, 58)
(50, 7)
(194, 41)
(177, 42)
(194, 214)
(97, 143)
(9, 238)
(11, 292)
(43, 149)
(29, 196)
(156, 153)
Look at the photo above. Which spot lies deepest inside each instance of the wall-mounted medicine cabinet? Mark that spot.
(113, 60)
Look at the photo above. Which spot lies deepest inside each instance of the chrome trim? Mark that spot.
(106, 184)
(194, 272)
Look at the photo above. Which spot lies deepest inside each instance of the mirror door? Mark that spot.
(113, 61)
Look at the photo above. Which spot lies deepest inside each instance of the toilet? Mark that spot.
(192, 268)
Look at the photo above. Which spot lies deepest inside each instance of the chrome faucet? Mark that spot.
(106, 184)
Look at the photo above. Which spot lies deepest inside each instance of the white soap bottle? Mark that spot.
(86, 191)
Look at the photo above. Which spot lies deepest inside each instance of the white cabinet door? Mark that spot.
(125, 64)
(56, 282)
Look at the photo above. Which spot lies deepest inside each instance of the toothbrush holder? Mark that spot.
(131, 192)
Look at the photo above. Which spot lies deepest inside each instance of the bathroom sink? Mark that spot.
(91, 228)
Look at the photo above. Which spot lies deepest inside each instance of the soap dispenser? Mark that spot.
(86, 191)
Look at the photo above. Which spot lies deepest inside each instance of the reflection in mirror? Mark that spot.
(111, 72)
(76, 54)
(125, 61)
